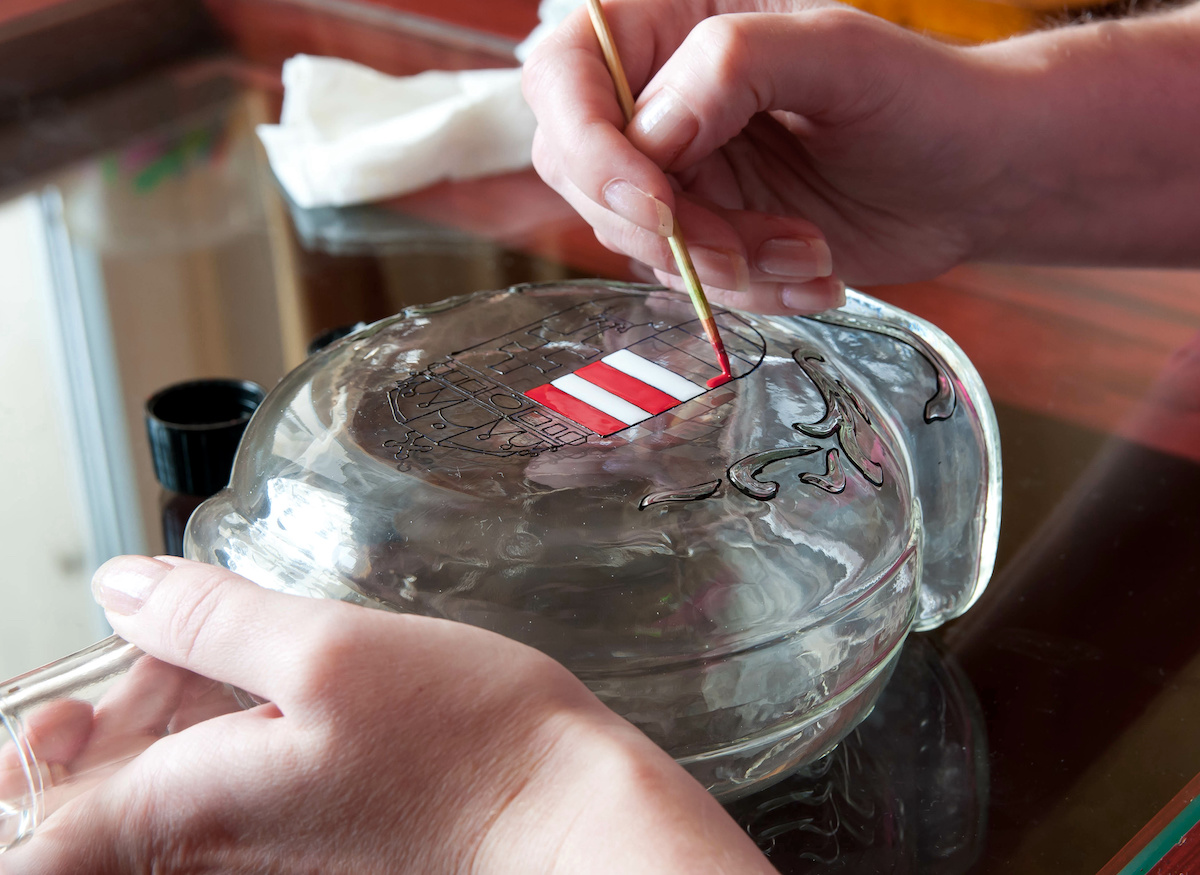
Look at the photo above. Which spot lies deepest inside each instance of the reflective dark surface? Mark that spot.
(907, 791)
(1036, 734)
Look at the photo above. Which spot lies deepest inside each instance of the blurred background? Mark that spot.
(144, 241)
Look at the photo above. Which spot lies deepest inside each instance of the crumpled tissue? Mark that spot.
(349, 134)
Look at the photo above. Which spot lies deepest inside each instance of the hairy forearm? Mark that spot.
(1096, 144)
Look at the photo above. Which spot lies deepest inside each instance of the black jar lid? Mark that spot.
(194, 430)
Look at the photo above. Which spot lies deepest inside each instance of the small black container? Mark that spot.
(194, 430)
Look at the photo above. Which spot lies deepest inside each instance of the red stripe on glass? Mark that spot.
(630, 388)
(575, 410)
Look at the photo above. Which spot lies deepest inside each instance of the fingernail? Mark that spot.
(839, 298)
(813, 297)
(794, 257)
(722, 268)
(122, 585)
(643, 209)
(665, 126)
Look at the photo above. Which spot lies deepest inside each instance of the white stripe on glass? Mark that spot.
(654, 375)
(603, 400)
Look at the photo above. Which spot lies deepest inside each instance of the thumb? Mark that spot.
(217, 624)
(823, 64)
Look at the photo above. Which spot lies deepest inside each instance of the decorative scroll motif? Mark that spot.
(944, 401)
(699, 492)
(845, 415)
(744, 473)
(834, 478)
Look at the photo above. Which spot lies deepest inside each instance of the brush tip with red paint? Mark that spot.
(714, 337)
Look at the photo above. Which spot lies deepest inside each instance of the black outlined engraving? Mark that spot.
(945, 399)
(452, 405)
(834, 479)
(699, 492)
(845, 414)
(744, 473)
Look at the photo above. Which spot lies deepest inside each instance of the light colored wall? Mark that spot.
(46, 610)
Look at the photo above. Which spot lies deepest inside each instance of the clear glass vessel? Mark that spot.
(733, 569)
(69, 725)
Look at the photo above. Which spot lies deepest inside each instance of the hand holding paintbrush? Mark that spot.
(678, 247)
(730, 191)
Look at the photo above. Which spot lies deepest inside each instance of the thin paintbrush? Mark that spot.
(678, 246)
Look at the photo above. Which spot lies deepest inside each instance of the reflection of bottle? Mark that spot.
(192, 186)
(177, 508)
(70, 724)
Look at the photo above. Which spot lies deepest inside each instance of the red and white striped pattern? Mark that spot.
(616, 392)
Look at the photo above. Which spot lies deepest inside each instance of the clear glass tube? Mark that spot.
(72, 723)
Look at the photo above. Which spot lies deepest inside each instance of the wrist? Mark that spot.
(603, 798)
(1093, 125)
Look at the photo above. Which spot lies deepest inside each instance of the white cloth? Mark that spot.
(349, 134)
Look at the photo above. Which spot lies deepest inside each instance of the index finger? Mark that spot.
(570, 90)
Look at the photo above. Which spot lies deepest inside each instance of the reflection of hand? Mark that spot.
(56, 733)
(395, 743)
